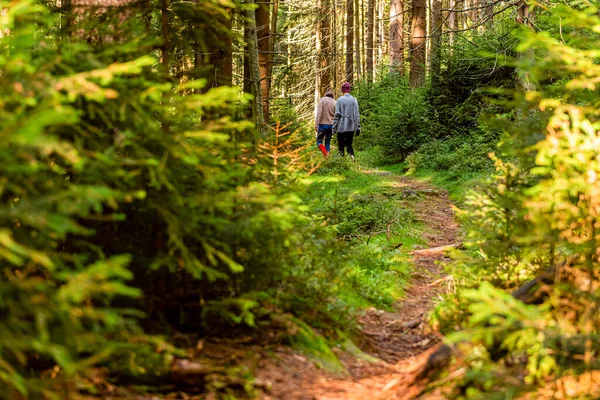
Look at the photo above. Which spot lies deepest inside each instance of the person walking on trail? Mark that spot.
(346, 121)
(324, 121)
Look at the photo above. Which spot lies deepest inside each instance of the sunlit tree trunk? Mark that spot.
(357, 39)
(452, 22)
(417, 43)
(263, 37)
(370, 38)
(363, 41)
(525, 16)
(461, 15)
(319, 51)
(397, 35)
(435, 37)
(247, 86)
(326, 45)
(272, 39)
(349, 41)
(488, 14)
(254, 67)
(472, 13)
(334, 45)
(380, 35)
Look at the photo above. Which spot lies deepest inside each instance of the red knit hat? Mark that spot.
(346, 88)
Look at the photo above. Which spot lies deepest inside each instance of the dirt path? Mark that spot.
(400, 340)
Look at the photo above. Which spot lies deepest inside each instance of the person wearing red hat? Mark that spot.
(346, 121)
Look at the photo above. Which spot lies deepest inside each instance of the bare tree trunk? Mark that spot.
(488, 14)
(370, 37)
(357, 39)
(363, 42)
(461, 16)
(221, 56)
(272, 41)
(326, 46)
(334, 45)
(254, 67)
(319, 51)
(380, 35)
(417, 43)
(525, 16)
(247, 86)
(397, 35)
(472, 13)
(429, 29)
(263, 27)
(452, 23)
(349, 40)
(436, 38)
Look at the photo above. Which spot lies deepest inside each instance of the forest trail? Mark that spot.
(395, 345)
(400, 340)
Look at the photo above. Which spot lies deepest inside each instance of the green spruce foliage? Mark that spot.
(136, 202)
(539, 216)
(125, 194)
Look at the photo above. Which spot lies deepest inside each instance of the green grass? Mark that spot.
(378, 227)
(457, 185)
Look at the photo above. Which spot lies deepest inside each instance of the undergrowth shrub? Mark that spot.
(360, 212)
(455, 156)
(538, 217)
(131, 200)
(375, 276)
(394, 117)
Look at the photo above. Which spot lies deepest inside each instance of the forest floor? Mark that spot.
(400, 341)
(392, 346)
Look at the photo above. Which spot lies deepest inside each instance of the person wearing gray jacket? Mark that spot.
(346, 121)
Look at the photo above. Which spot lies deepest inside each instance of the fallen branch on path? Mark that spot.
(187, 372)
(438, 281)
(435, 250)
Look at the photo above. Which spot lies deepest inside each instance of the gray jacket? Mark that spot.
(347, 117)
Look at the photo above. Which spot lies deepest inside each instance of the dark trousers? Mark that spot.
(324, 134)
(345, 142)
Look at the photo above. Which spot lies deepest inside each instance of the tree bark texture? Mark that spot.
(487, 13)
(435, 37)
(525, 16)
(473, 12)
(350, 41)
(221, 56)
(319, 52)
(263, 27)
(254, 67)
(357, 39)
(417, 43)
(370, 38)
(380, 35)
(247, 86)
(326, 61)
(397, 35)
(272, 39)
(334, 46)
(452, 23)
(363, 42)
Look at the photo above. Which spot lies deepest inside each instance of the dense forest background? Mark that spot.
(159, 180)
